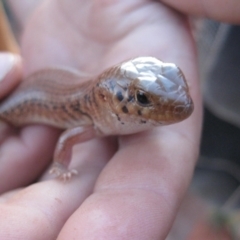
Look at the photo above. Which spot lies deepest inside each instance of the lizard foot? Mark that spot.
(62, 173)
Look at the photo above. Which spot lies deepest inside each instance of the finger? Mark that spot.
(46, 206)
(138, 193)
(24, 156)
(10, 76)
(10, 72)
(226, 10)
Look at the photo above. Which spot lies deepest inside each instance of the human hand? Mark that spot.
(142, 182)
(220, 10)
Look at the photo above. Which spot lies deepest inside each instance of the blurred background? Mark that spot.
(211, 207)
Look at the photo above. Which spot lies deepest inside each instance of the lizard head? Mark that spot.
(146, 92)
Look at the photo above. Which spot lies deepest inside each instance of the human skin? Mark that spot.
(129, 191)
(220, 10)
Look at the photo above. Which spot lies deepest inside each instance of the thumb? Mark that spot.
(10, 72)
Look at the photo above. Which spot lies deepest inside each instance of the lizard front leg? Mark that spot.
(63, 151)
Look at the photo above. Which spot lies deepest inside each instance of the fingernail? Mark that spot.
(7, 63)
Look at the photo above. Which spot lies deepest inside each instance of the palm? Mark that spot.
(89, 38)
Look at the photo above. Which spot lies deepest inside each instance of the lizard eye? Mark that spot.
(142, 99)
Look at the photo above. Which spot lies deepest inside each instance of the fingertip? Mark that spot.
(10, 72)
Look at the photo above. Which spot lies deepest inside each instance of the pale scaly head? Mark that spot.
(147, 92)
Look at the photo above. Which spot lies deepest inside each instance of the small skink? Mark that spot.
(129, 97)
